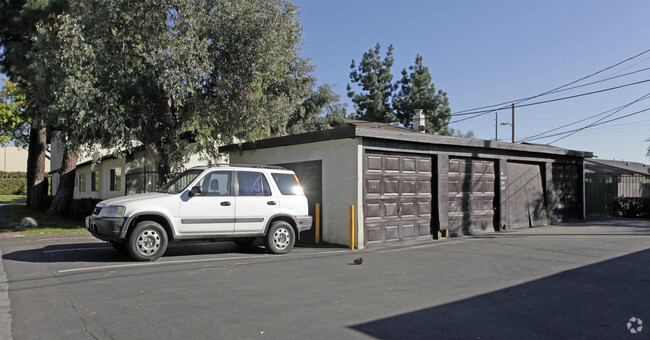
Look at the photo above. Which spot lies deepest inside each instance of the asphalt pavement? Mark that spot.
(572, 281)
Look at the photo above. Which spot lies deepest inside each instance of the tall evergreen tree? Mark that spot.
(416, 91)
(373, 75)
(19, 18)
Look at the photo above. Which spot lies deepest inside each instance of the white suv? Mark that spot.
(239, 203)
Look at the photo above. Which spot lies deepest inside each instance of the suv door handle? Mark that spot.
(225, 204)
(271, 203)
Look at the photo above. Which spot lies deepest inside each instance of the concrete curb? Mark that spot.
(5, 304)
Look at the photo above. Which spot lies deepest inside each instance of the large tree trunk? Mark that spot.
(161, 161)
(36, 181)
(61, 203)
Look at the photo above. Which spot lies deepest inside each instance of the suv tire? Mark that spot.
(280, 238)
(147, 242)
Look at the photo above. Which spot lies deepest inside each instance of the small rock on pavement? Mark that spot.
(28, 222)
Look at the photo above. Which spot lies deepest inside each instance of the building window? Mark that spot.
(81, 182)
(94, 181)
(116, 179)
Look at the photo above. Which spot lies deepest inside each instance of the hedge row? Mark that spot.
(13, 183)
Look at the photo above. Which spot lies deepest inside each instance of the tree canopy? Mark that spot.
(14, 125)
(154, 72)
(374, 77)
(416, 91)
(382, 100)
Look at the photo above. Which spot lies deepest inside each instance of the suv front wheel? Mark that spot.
(280, 238)
(147, 242)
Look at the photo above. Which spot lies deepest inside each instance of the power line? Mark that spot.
(556, 99)
(614, 111)
(503, 105)
(570, 132)
(481, 113)
(597, 124)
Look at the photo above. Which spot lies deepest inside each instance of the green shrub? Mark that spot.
(631, 207)
(83, 207)
(13, 183)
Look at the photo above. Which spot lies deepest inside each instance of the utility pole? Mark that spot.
(496, 126)
(513, 123)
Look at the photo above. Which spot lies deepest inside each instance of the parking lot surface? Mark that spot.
(584, 280)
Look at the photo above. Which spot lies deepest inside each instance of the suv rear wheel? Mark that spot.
(280, 238)
(147, 242)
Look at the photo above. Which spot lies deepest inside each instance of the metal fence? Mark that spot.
(602, 191)
(141, 180)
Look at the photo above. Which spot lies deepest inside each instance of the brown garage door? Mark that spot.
(397, 198)
(526, 202)
(471, 196)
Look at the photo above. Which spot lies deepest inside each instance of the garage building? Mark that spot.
(406, 185)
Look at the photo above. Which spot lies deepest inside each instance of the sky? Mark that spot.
(483, 53)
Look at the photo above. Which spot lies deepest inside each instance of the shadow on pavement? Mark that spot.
(594, 301)
(103, 252)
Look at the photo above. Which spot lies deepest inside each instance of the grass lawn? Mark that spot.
(4, 199)
(47, 225)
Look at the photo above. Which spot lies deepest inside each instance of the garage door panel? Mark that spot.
(424, 165)
(373, 186)
(392, 233)
(408, 187)
(424, 208)
(392, 164)
(408, 231)
(373, 163)
(408, 209)
(525, 196)
(401, 187)
(373, 233)
(392, 186)
(409, 165)
(373, 210)
(471, 195)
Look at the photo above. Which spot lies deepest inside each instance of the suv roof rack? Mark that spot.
(257, 166)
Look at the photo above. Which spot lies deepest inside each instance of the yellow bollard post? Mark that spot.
(317, 223)
(352, 227)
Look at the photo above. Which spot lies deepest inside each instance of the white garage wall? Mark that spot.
(342, 171)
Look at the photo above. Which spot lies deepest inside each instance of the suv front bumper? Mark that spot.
(106, 229)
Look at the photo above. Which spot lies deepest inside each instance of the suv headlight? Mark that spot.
(114, 211)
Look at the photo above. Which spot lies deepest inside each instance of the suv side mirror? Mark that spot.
(195, 191)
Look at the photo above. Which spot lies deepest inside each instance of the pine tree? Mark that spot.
(417, 92)
(374, 77)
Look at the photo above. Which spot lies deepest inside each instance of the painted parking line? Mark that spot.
(161, 263)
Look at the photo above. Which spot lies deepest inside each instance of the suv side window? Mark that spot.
(252, 184)
(287, 183)
(216, 183)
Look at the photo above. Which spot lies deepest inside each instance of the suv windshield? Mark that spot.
(180, 182)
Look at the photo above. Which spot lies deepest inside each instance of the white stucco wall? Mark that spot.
(342, 185)
(104, 169)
